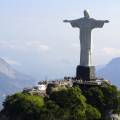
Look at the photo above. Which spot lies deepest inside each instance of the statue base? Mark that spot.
(86, 73)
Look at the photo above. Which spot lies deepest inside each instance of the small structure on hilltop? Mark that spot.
(36, 90)
(44, 88)
(58, 85)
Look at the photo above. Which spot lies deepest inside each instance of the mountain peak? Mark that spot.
(115, 61)
(111, 71)
(6, 69)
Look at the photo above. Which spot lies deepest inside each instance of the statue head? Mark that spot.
(86, 14)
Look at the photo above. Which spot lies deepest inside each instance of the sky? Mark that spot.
(35, 41)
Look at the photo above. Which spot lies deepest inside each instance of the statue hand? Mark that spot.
(106, 21)
(66, 21)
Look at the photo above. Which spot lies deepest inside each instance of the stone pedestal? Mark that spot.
(86, 73)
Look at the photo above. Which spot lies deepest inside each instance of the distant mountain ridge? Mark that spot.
(11, 80)
(6, 69)
(111, 71)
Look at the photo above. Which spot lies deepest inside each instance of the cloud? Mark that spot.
(111, 51)
(12, 45)
(12, 62)
(36, 46)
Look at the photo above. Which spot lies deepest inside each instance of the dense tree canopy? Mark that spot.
(71, 100)
(23, 106)
(105, 99)
(67, 104)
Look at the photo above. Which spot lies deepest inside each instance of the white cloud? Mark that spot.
(12, 45)
(24, 46)
(12, 62)
(44, 47)
(37, 45)
(111, 51)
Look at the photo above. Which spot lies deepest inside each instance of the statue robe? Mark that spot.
(86, 25)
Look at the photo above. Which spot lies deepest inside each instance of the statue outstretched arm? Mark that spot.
(69, 21)
(106, 21)
(98, 23)
(74, 23)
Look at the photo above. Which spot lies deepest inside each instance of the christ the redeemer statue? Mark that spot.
(86, 24)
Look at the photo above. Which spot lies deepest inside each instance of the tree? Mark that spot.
(53, 112)
(92, 113)
(110, 97)
(105, 99)
(69, 98)
(95, 97)
(72, 101)
(23, 107)
(117, 110)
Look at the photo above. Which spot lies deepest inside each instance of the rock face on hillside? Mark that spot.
(111, 71)
(11, 80)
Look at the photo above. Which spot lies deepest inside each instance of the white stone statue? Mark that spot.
(86, 24)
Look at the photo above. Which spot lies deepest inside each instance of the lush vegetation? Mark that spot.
(105, 99)
(23, 106)
(67, 104)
